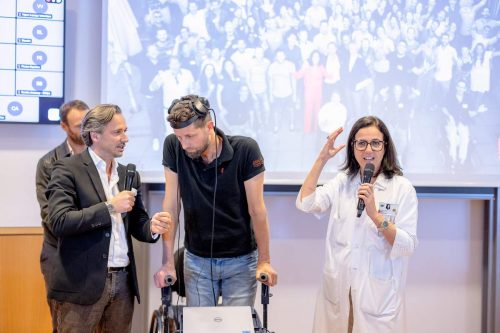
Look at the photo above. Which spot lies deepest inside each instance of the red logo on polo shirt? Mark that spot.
(258, 163)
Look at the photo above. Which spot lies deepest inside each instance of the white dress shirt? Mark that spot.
(118, 248)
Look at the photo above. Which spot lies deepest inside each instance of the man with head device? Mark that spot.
(71, 115)
(94, 207)
(220, 180)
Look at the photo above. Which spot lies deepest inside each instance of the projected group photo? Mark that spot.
(288, 73)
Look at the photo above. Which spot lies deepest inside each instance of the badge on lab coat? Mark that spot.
(388, 210)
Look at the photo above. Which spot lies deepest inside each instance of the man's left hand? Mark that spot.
(160, 223)
(266, 269)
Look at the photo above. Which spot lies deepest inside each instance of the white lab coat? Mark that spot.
(359, 258)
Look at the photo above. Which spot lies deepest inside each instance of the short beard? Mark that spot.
(77, 139)
(197, 154)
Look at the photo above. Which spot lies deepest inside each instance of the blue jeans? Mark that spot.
(231, 278)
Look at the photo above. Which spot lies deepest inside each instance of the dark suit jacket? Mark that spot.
(43, 171)
(78, 217)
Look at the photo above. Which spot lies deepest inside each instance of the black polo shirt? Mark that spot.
(240, 160)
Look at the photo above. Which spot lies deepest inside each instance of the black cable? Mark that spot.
(213, 209)
(180, 282)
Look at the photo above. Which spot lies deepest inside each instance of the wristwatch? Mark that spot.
(110, 207)
(384, 225)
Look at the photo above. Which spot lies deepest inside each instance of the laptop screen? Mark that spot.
(220, 319)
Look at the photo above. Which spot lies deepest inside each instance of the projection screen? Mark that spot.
(287, 73)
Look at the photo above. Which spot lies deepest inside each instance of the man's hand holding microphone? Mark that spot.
(124, 201)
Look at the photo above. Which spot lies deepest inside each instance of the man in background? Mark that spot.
(71, 115)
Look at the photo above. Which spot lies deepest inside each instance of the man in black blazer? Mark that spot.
(93, 218)
(71, 115)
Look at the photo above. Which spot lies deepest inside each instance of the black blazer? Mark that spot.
(80, 220)
(43, 171)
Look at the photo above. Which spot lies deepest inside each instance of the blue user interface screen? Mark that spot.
(31, 61)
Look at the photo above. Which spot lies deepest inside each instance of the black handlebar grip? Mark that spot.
(169, 280)
(263, 277)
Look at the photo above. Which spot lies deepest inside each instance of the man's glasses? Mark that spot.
(361, 145)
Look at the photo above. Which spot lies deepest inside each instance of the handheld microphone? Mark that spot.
(129, 179)
(367, 177)
(129, 176)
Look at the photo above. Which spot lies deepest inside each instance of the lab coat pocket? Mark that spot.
(340, 232)
(379, 297)
(379, 290)
(331, 289)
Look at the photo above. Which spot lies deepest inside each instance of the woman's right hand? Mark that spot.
(329, 150)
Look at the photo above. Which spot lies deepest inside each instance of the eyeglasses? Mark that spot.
(361, 145)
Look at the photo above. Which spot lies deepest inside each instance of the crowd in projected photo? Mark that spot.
(289, 72)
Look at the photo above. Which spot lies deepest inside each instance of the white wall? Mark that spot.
(444, 279)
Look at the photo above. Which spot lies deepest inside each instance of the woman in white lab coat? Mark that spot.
(364, 276)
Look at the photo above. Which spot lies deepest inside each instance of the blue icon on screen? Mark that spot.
(40, 6)
(39, 32)
(15, 108)
(39, 83)
(39, 58)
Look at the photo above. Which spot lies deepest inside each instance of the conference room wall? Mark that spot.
(444, 279)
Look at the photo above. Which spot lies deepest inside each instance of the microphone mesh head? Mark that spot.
(368, 172)
(130, 167)
(369, 167)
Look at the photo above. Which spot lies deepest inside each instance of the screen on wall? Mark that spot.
(31, 60)
(287, 73)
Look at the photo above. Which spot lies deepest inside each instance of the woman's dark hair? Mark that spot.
(389, 166)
